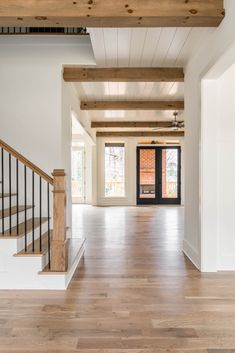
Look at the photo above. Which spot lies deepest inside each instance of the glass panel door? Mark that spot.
(146, 176)
(158, 175)
(169, 183)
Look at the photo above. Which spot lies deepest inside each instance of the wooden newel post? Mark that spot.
(59, 246)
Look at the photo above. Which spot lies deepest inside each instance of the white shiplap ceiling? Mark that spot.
(140, 47)
(145, 47)
(130, 91)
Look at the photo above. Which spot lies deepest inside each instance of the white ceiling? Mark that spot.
(145, 47)
(130, 91)
(140, 47)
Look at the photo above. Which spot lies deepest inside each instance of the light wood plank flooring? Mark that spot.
(135, 293)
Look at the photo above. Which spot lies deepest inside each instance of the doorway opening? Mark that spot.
(158, 175)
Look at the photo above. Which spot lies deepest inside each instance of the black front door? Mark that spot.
(158, 175)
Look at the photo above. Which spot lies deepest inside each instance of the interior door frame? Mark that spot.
(158, 200)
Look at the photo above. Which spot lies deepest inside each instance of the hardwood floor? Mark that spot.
(135, 293)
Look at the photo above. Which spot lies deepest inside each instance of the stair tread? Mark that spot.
(13, 211)
(22, 227)
(7, 195)
(36, 251)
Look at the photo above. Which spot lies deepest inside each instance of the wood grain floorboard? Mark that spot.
(135, 292)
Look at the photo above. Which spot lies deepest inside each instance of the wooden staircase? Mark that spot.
(32, 221)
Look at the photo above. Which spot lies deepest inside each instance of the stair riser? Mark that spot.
(7, 202)
(21, 194)
(21, 240)
(14, 220)
(19, 272)
(21, 202)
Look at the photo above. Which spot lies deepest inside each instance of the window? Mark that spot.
(114, 170)
(78, 169)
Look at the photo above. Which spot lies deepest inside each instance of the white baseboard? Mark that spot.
(75, 264)
(191, 253)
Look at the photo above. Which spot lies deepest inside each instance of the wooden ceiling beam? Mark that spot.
(132, 105)
(76, 74)
(130, 124)
(139, 133)
(106, 13)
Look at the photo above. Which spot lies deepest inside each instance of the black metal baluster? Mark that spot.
(10, 211)
(17, 196)
(48, 223)
(33, 248)
(25, 210)
(2, 177)
(40, 214)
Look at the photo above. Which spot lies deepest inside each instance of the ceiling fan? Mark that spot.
(176, 125)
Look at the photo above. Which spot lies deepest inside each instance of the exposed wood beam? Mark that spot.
(130, 124)
(138, 133)
(132, 105)
(75, 74)
(107, 13)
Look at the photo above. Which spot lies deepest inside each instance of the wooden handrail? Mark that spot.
(26, 162)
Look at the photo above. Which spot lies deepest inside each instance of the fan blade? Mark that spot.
(163, 128)
(159, 129)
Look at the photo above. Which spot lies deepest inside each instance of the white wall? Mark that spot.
(208, 174)
(218, 168)
(31, 93)
(226, 170)
(196, 141)
(33, 116)
(130, 171)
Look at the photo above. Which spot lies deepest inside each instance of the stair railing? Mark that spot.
(32, 190)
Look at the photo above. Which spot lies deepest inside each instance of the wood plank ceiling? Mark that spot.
(143, 48)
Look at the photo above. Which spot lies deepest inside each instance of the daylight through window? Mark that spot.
(114, 170)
